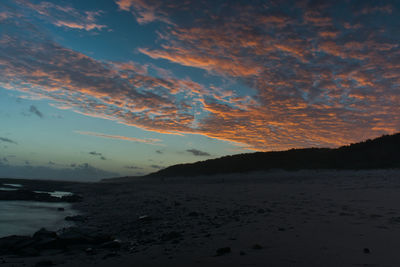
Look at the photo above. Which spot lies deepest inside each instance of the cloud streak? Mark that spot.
(7, 140)
(197, 152)
(34, 110)
(150, 141)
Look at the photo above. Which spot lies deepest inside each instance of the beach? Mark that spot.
(276, 218)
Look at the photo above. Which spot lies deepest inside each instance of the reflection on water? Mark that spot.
(56, 193)
(13, 185)
(7, 189)
(26, 217)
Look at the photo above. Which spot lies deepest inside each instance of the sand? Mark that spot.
(304, 218)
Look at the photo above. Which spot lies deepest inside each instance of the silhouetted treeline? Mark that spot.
(379, 153)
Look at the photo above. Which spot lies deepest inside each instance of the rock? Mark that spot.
(73, 235)
(261, 211)
(193, 214)
(23, 194)
(222, 251)
(110, 255)
(60, 209)
(44, 263)
(75, 218)
(71, 198)
(115, 244)
(13, 244)
(366, 251)
(77, 236)
(43, 233)
(145, 218)
(257, 246)
(171, 236)
(242, 253)
(90, 251)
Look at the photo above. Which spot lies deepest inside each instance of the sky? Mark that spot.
(106, 88)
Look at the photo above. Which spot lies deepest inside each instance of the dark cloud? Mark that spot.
(33, 109)
(197, 152)
(133, 167)
(157, 166)
(94, 153)
(100, 155)
(7, 140)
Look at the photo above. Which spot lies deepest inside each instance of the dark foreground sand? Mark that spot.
(306, 218)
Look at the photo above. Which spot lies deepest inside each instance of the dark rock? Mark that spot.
(71, 198)
(171, 236)
(145, 218)
(23, 194)
(222, 251)
(13, 244)
(242, 253)
(281, 229)
(366, 251)
(193, 214)
(257, 246)
(60, 209)
(110, 255)
(261, 211)
(115, 244)
(28, 252)
(75, 218)
(90, 251)
(75, 235)
(43, 233)
(44, 263)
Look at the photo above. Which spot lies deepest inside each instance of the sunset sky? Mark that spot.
(103, 88)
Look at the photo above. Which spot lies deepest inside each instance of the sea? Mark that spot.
(27, 217)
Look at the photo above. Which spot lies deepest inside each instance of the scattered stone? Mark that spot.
(222, 251)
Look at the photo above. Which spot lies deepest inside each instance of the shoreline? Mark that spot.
(306, 218)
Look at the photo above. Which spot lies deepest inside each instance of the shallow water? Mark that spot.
(13, 185)
(56, 193)
(26, 217)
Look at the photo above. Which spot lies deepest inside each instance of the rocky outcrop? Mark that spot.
(27, 195)
(67, 238)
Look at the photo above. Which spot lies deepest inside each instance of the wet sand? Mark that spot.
(305, 218)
